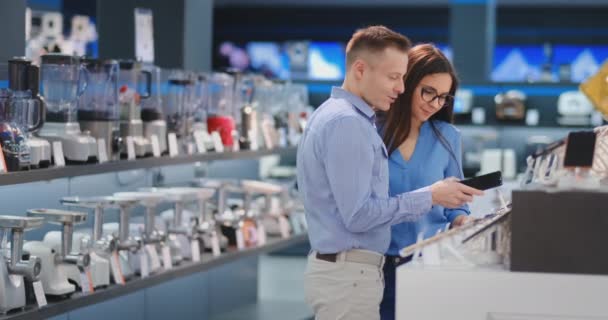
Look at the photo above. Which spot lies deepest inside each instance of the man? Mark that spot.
(343, 180)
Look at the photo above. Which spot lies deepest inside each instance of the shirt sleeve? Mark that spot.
(454, 169)
(349, 161)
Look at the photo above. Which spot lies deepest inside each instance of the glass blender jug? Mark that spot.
(220, 108)
(134, 86)
(181, 103)
(98, 105)
(28, 108)
(16, 151)
(201, 94)
(64, 80)
(152, 110)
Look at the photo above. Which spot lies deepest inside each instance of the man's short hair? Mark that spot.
(374, 39)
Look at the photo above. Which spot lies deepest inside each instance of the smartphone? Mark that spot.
(485, 182)
(580, 149)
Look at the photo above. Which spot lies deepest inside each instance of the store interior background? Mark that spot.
(539, 47)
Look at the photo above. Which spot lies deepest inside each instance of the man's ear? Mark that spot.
(359, 67)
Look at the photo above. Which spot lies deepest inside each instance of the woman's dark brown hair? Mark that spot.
(424, 60)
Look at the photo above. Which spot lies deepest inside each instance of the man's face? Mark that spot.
(382, 78)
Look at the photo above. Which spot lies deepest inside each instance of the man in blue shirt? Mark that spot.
(342, 171)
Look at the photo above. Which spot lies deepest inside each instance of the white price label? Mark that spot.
(207, 139)
(235, 141)
(167, 263)
(144, 268)
(295, 223)
(39, 293)
(217, 141)
(196, 250)
(2, 162)
(172, 144)
(154, 259)
(199, 139)
(130, 148)
(302, 219)
(253, 138)
(86, 281)
(240, 242)
(215, 244)
(284, 227)
(102, 152)
(190, 148)
(155, 146)
(261, 234)
(116, 271)
(58, 156)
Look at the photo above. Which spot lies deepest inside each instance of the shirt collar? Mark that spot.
(362, 106)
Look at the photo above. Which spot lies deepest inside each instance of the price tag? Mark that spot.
(115, 266)
(154, 259)
(102, 152)
(144, 269)
(295, 223)
(2, 162)
(207, 139)
(240, 242)
(190, 148)
(39, 293)
(155, 146)
(196, 250)
(172, 144)
(58, 154)
(86, 282)
(217, 141)
(199, 139)
(215, 244)
(167, 263)
(235, 141)
(302, 219)
(284, 227)
(130, 148)
(254, 140)
(261, 234)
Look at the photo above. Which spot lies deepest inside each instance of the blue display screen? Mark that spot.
(326, 61)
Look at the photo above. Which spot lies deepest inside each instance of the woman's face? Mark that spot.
(431, 94)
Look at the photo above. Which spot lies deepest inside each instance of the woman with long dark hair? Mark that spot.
(423, 147)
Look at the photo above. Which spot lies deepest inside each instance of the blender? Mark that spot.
(28, 105)
(130, 97)
(220, 108)
(201, 99)
(64, 80)
(152, 110)
(180, 107)
(98, 105)
(14, 147)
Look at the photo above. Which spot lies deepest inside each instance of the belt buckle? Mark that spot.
(329, 257)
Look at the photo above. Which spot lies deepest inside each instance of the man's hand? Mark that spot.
(451, 194)
(461, 220)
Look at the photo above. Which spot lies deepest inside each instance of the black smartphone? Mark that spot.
(484, 182)
(580, 149)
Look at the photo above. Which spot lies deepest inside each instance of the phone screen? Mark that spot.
(580, 149)
(484, 182)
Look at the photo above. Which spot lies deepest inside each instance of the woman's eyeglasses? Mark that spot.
(429, 95)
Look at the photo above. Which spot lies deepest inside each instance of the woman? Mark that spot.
(423, 148)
